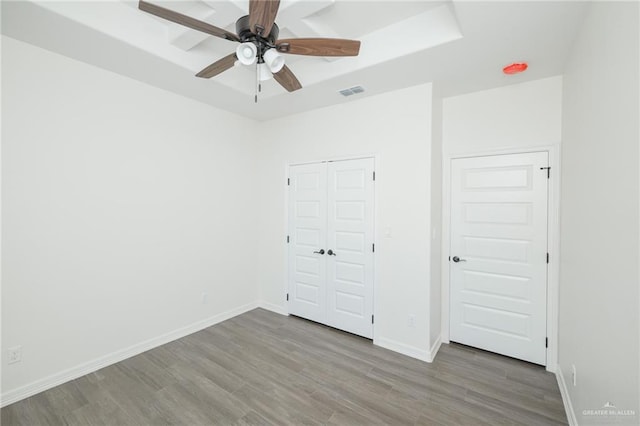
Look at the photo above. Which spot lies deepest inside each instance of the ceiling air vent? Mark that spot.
(351, 91)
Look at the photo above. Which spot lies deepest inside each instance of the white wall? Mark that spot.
(153, 184)
(511, 117)
(600, 194)
(397, 127)
(121, 205)
(435, 310)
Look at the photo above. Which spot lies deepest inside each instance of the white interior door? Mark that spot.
(331, 229)
(307, 241)
(498, 265)
(350, 246)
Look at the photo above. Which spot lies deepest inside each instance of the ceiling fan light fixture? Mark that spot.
(274, 60)
(264, 73)
(246, 53)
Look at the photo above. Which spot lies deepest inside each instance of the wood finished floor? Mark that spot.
(261, 368)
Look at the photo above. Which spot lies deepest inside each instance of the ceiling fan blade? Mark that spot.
(218, 66)
(262, 13)
(287, 80)
(319, 46)
(185, 20)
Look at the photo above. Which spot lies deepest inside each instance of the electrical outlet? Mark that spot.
(411, 321)
(204, 298)
(15, 354)
(574, 375)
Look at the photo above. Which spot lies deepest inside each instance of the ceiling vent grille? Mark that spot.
(351, 91)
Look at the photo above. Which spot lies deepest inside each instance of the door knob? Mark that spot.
(320, 252)
(331, 252)
(457, 259)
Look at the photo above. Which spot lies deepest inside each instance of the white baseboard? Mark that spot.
(64, 376)
(273, 307)
(404, 349)
(566, 399)
(408, 350)
(435, 348)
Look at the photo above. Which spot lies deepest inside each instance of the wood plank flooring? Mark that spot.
(261, 368)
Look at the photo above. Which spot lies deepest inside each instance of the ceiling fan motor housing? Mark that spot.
(245, 33)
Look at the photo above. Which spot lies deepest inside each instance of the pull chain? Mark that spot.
(257, 82)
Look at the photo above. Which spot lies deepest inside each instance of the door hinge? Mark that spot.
(288, 181)
(546, 342)
(287, 238)
(373, 248)
(287, 297)
(374, 175)
(371, 319)
(547, 257)
(548, 169)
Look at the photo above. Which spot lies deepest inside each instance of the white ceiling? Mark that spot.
(460, 46)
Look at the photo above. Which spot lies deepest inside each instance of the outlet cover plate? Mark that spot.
(15, 354)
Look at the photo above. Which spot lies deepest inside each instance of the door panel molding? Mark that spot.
(553, 240)
(483, 316)
(350, 268)
(307, 266)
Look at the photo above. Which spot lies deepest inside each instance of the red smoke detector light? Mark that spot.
(515, 68)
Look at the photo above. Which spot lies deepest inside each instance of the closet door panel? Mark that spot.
(307, 237)
(349, 258)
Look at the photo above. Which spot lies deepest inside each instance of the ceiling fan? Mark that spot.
(257, 34)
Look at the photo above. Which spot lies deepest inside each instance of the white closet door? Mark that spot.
(308, 235)
(499, 254)
(349, 256)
